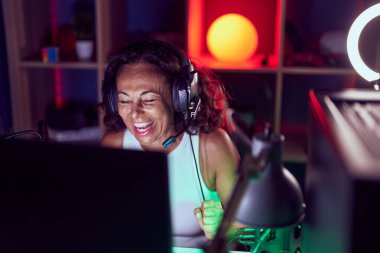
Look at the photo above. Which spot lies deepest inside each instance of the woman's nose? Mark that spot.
(137, 109)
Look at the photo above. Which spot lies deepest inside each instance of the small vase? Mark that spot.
(84, 49)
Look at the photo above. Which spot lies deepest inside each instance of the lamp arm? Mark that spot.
(251, 167)
(218, 243)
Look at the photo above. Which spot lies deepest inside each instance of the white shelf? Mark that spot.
(318, 71)
(64, 65)
(260, 70)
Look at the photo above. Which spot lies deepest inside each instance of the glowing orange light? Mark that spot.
(232, 38)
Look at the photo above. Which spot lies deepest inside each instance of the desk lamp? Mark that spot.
(353, 45)
(265, 196)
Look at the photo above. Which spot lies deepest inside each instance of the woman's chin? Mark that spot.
(145, 140)
(148, 142)
(152, 146)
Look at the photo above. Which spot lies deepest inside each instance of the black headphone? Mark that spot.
(184, 88)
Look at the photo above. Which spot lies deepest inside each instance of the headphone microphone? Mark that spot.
(169, 141)
(193, 109)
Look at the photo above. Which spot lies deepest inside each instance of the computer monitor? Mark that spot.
(57, 197)
(342, 179)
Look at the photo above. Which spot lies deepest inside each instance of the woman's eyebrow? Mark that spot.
(150, 91)
(123, 93)
(142, 93)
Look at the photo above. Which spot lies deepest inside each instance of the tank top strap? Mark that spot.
(194, 141)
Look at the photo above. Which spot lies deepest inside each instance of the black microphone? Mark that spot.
(193, 114)
(169, 141)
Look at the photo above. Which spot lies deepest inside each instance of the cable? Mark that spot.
(243, 239)
(244, 236)
(262, 237)
(23, 133)
(230, 241)
(196, 167)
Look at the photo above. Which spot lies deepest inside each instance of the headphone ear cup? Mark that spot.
(113, 101)
(180, 95)
(110, 98)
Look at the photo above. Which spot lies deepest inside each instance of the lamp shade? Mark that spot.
(274, 199)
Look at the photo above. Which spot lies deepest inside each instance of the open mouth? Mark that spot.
(143, 128)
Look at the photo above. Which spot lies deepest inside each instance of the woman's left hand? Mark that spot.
(209, 216)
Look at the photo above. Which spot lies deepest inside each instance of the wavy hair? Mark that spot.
(167, 60)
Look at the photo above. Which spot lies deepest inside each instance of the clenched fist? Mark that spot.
(209, 216)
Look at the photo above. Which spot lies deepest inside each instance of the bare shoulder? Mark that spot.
(219, 142)
(112, 139)
(219, 159)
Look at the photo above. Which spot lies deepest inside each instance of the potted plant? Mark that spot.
(84, 24)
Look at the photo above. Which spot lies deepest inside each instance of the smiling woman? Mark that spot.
(167, 104)
(145, 105)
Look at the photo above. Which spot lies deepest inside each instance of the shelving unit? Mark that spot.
(27, 23)
(274, 92)
(273, 101)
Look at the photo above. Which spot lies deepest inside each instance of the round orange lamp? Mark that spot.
(232, 38)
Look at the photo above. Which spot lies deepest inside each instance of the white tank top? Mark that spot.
(185, 190)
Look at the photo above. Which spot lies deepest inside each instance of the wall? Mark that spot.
(5, 105)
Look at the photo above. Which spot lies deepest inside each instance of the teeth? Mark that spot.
(142, 125)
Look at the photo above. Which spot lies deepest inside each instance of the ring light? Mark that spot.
(353, 43)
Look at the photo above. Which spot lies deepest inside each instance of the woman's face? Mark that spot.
(145, 104)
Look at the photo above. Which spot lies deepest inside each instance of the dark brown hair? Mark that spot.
(166, 58)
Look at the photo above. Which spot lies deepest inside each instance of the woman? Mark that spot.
(168, 105)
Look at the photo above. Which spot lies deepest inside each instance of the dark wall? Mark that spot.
(5, 104)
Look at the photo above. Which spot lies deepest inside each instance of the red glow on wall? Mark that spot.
(319, 114)
(58, 94)
(58, 98)
(263, 14)
(195, 18)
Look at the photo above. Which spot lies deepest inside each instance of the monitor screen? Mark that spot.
(342, 179)
(57, 197)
